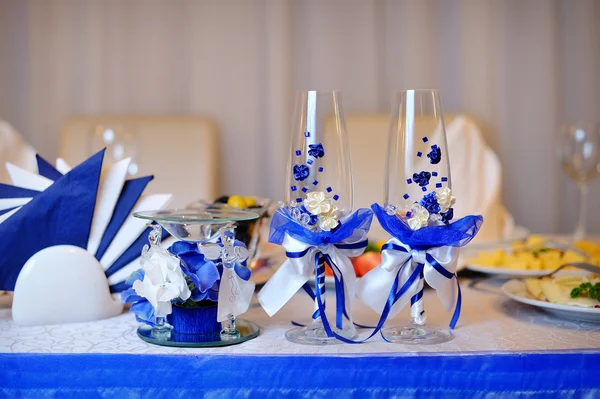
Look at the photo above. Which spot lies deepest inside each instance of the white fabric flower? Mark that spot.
(328, 222)
(317, 203)
(445, 199)
(163, 281)
(420, 217)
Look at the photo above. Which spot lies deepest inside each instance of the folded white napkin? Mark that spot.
(15, 150)
(477, 180)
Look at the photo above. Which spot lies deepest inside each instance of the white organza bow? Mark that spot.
(300, 265)
(437, 266)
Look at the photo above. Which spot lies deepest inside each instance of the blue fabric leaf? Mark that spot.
(192, 259)
(456, 234)
(144, 312)
(62, 214)
(242, 271)
(8, 191)
(182, 246)
(131, 192)
(46, 169)
(207, 275)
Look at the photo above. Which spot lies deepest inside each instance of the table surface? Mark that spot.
(489, 322)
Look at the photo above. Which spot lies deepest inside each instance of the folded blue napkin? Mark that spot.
(63, 214)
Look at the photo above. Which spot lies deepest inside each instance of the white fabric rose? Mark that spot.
(163, 281)
(420, 217)
(328, 222)
(317, 203)
(445, 199)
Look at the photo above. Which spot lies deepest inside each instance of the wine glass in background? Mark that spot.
(119, 142)
(578, 149)
(418, 166)
(319, 167)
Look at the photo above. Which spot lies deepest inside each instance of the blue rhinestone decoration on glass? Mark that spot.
(422, 179)
(447, 216)
(301, 172)
(430, 203)
(435, 155)
(316, 150)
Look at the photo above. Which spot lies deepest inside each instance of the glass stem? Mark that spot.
(580, 227)
(162, 329)
(229, 329)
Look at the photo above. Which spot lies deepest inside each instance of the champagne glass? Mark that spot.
(418, 166)
(119, 142)
(579, 152)
(319, 165)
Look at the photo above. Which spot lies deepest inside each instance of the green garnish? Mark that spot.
(587, 289)
(371, 248)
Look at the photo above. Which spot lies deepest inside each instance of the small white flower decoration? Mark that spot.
(317, 203)
(328, 222)
(163, 281)
(420, 217)
(445, 199)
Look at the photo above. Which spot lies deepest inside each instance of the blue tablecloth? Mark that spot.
(562, 375)
(501, 348)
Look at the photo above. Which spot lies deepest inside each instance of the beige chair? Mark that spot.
(181, 152)
(480, 194)
(14, 149)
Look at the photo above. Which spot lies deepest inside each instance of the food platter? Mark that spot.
(516, 290)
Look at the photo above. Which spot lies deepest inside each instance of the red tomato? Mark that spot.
(366, 262)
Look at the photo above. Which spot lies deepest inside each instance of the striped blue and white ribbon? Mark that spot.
(304, 260)
(400, 278)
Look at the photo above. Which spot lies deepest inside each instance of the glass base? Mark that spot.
(415, 334)
(229, 335)
(163, 332)
(247, 330)
(314, 334)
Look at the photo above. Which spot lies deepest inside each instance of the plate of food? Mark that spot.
(569, 295)
(535, 256)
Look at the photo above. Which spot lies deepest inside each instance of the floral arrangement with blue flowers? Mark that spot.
(181, 275)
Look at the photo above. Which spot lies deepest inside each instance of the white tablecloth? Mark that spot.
(489, 323)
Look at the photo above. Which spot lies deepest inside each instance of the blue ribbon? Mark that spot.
(320, 260)
(456, 234)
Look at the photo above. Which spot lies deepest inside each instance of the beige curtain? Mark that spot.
(520, 67)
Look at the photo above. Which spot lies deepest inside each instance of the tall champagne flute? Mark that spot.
(418, 166)
(319, 164)
(578, 149)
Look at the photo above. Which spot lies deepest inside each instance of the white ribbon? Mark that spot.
(374, 288)
(296, 271)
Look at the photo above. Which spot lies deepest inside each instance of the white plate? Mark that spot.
(515, 289)
(518, 233)
(504, 271)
